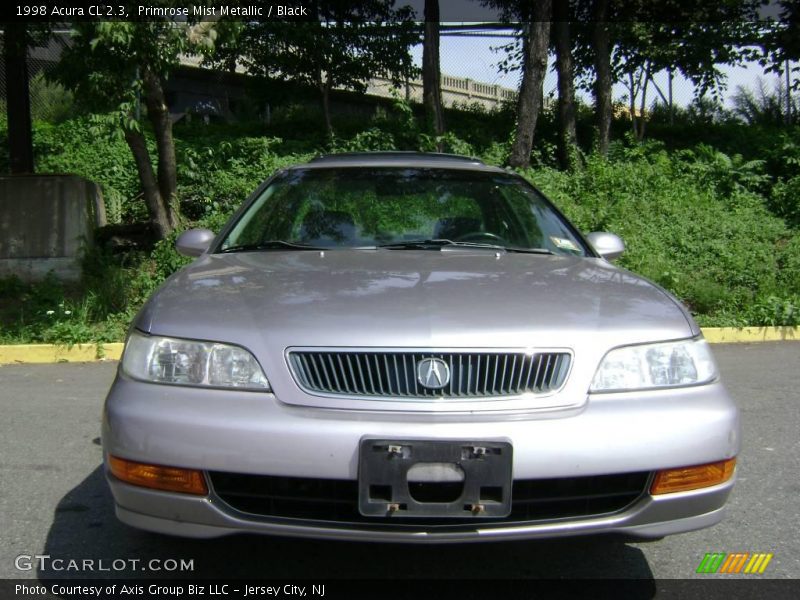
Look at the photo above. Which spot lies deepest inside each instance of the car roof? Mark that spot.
(400, 159)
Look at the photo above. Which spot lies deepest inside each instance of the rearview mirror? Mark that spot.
(607, 245)
(194, 242)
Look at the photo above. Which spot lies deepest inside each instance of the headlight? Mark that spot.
(662, 365)
(190, 362)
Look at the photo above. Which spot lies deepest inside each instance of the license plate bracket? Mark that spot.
(384, 489)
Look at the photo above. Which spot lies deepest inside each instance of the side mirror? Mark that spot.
(194, 242)
(607, 245)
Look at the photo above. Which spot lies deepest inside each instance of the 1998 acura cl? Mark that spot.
(414, 347)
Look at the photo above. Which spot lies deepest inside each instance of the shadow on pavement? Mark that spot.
(85, 527)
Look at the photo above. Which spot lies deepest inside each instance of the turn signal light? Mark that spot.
(692, 478)
(170, 479)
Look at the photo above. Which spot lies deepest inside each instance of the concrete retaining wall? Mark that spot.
(44, 222)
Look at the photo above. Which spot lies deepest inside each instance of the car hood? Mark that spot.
(271, 301)
(408, 298)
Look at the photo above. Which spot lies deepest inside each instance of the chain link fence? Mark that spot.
(49, 101)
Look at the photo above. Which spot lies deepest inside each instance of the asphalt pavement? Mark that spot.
(54, 500)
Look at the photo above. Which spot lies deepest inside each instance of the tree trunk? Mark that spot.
(632, 88)
(602, 88)
(638, 82)
(18, 102)
(643, 104)
(567, 136)
(326, 109)
(152, 195)
(431, 75)
(158, 113)
(534, 68)
(325, 88)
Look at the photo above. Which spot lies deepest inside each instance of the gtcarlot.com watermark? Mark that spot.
(47, 563)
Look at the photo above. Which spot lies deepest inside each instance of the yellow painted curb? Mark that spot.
(49, 353)
(728, 335)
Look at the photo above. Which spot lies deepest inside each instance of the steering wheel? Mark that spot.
(474, 236)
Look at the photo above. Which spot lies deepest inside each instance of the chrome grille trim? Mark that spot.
(391, 373)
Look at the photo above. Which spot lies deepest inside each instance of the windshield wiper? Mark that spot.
(269, 245)
(435, 244)
(528, 250)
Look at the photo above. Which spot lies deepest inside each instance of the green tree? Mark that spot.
(780, 38)
(780, 44)
(632, 40)
(112, 66)
(696, 49)
(346, 44)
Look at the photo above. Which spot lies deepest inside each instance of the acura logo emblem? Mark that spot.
(433, 373)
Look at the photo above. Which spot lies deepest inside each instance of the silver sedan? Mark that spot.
(415, 348)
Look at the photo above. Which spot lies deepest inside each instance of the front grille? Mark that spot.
(394, 373)
(334, 500)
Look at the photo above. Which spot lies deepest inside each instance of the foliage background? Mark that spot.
(709, 207)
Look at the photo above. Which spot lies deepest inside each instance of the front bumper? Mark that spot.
(253, 433)
(176, 514)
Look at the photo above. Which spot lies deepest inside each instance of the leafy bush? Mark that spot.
(218, 175)
(722, 173)
(785, 200)
(721, 254)
(364, 141)
(53, 103)
(788, 260)
(84, 147)
(707, 222)
(763, 106)
(774, 310)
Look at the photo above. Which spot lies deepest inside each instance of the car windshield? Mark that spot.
(400, 208)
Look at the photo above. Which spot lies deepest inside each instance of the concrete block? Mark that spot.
(45, 221)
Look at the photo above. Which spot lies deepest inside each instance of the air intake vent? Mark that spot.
(329, 500)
